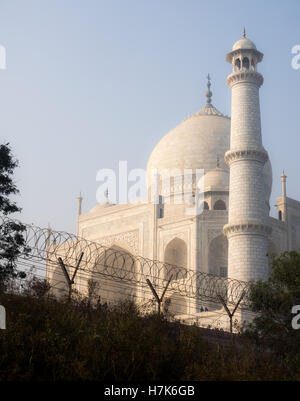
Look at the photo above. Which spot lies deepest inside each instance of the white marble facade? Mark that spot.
(166, 232)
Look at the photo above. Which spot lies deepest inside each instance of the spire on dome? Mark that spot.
(208, 92)
(208, 109)
(244, 32)
(107, 196)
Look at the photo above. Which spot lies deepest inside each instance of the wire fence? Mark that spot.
(73, 265)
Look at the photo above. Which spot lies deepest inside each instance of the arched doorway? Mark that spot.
(113, 276)
(218, 256)
(220, 205)
(59, 285)
(175, 258)
(203, 206)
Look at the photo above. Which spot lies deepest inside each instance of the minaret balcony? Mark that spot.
(248, 76)
(258, 155)
(249, 226)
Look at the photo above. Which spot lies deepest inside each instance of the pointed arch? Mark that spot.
(246, 63)
(220, 205)
(175, 258)
(237, 64)
(113, 275)
(218, 256)
(59, 285)
(204, 205)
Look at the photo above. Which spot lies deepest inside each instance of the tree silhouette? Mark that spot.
(12, 242)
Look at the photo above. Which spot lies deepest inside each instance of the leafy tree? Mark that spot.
(273, 300)
(12, 242)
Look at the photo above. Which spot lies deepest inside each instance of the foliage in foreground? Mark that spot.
(272, 301)
(56, 340)
(12, 242)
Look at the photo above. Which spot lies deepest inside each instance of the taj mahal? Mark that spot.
(234, 235)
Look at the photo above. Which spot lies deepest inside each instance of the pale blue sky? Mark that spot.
(92, 82)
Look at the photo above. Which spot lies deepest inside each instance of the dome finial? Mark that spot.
(244, 32)
(79, 198)
(107, 195)
(208, 92)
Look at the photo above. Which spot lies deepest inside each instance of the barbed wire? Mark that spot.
(37, 271)
(113, 263)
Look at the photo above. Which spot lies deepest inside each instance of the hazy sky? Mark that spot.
(92, 82)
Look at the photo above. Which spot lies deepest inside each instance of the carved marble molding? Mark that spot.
(130, 239)
(258, 155)
(252, 77)
(251, 227)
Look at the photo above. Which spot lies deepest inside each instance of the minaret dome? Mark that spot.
(244, 55)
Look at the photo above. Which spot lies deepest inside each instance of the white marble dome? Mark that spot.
(197, 143)
(194, 144)
(216, 179)
(245, 44)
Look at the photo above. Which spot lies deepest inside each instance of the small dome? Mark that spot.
(215, 179)
(244, 43)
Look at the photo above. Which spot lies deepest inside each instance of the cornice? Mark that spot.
(258, 155)
(247, 227)
(252, 77)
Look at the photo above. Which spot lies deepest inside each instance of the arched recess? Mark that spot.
(175, 258)
(204, 205)
(246, 63)
(237, 64)
(176, 304)
(220, 205)
(113, 277)
(218, 256)
(59, 285)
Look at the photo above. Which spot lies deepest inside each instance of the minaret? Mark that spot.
(48, 237)
(247, 229)
(283, 178)
(79, 198)
(284, 211)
